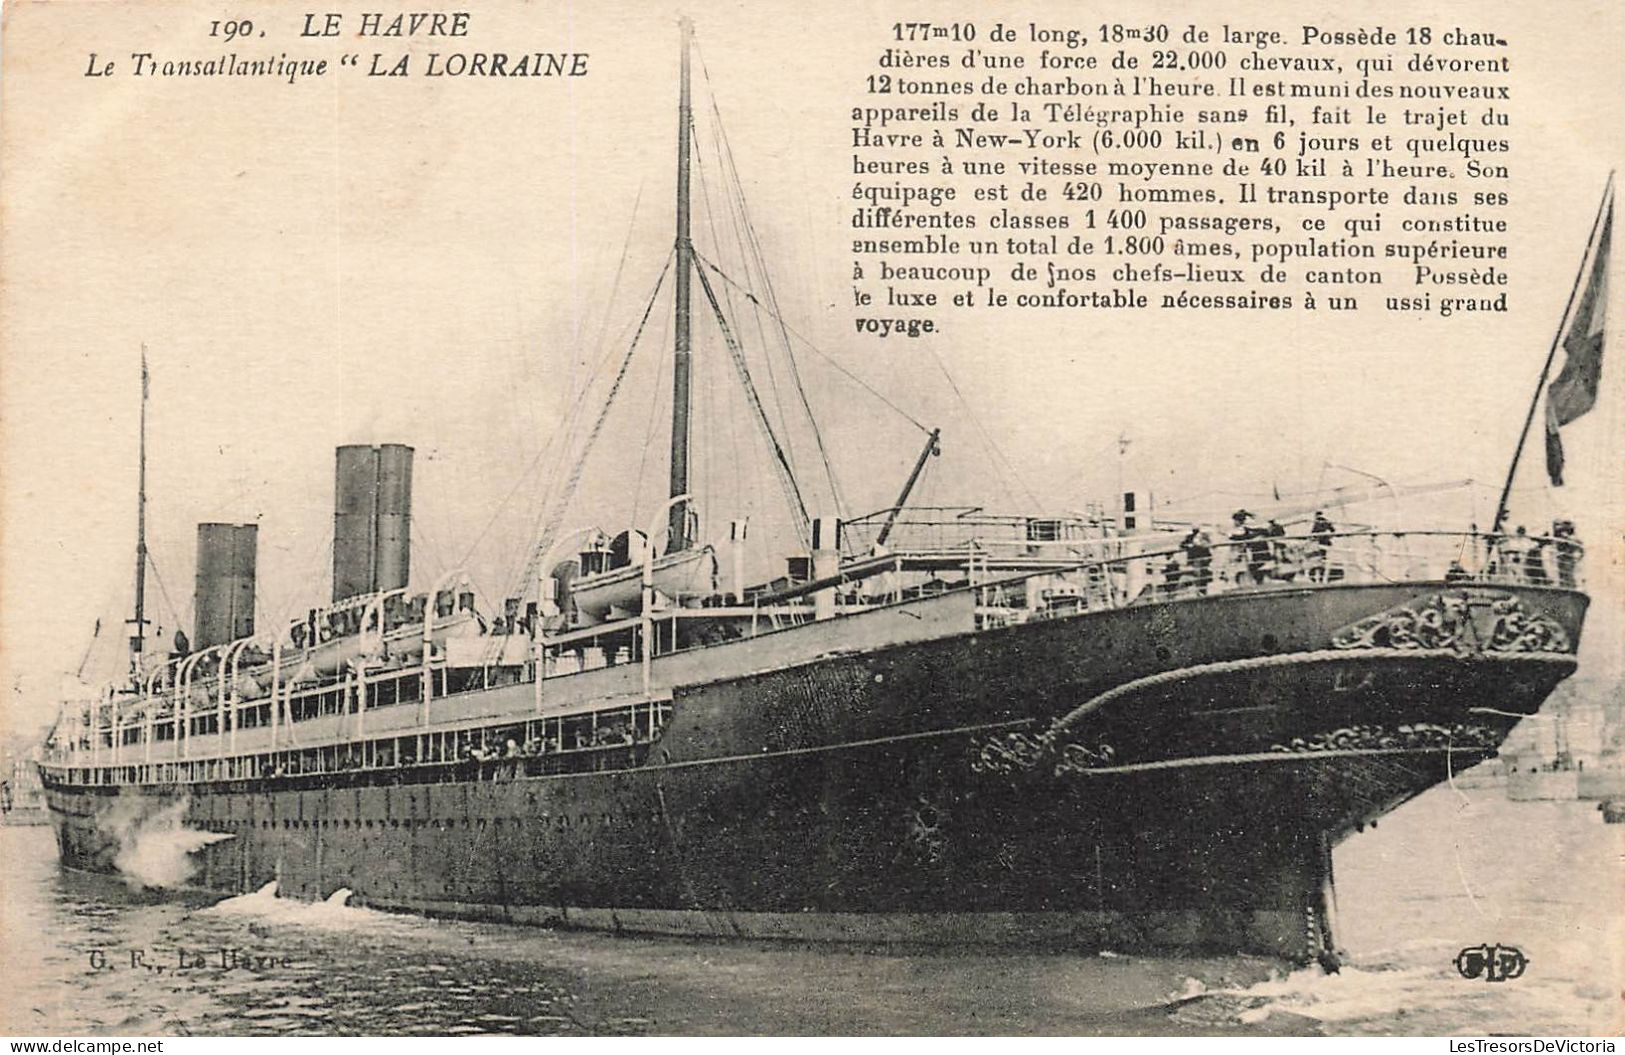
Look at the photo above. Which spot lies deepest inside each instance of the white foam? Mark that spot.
(334, 912)
(155, 848)
(1435, 999)
(1194, 987)
(253, 904)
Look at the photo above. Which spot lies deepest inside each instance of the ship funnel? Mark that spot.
(223, 602)
(372, 519)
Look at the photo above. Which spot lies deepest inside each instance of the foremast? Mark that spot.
(138, 624)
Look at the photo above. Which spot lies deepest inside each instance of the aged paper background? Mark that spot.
(432, 262)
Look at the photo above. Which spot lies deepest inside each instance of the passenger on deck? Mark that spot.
(1534, 565)
(1320, 534)
(1516, 554)
(1566, 551)
(1171, 579)
(1322, 530)
(1198, 548)
(1278, 549)
(1251, 544)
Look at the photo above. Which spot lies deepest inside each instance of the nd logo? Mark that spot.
(1493, 963)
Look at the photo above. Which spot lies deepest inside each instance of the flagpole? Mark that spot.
(1551, 357)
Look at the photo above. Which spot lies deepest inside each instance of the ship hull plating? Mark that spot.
(1165, 776)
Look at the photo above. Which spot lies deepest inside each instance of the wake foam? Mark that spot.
(1352, 994)
(267, 906)
(1432, 999)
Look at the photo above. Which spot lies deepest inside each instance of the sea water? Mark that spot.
(121, 955)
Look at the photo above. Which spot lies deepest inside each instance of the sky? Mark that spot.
(441, 263)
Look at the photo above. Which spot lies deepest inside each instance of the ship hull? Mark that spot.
(1158, 777)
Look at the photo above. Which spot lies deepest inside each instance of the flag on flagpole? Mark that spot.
(1575, 390)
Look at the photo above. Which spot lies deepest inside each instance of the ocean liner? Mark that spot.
(937, 725)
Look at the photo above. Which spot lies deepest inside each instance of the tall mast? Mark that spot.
(680, 427)
(138, 631)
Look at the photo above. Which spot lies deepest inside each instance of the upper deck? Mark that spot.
(454, 675)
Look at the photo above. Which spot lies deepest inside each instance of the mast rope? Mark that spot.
(998, 455)
(558, 445)
(431, 550)
(787, 478)
(573, 414)
(767, 360)
(649, 434)
(843, 371)
(163, 591)
(561, 501)
(753, 241)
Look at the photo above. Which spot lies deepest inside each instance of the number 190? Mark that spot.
(231, 29)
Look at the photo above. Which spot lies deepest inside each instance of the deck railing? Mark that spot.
(1264, 563)
(1112, 573)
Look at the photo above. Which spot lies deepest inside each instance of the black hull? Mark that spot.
(926, 793)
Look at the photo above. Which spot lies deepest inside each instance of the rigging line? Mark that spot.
(649, 434)
(772, 378)
(520, 568)
(986, 438)
(735, 460)
(562, 501)
(501, 505)
(609, 304)
(767, 360)
(434, 551)
(787, 477)
(753, 260)
(162, 590)
(111, 613)
(775, 313)
(555, 443)
(290, 603)
(579, 402)
(559, 445)
(784, 424)
(849, 375)
(615, 284)
(279, 604)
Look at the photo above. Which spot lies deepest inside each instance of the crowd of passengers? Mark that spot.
(1265, 553)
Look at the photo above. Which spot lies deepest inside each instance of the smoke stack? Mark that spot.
(372, 519)
(223, 600)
